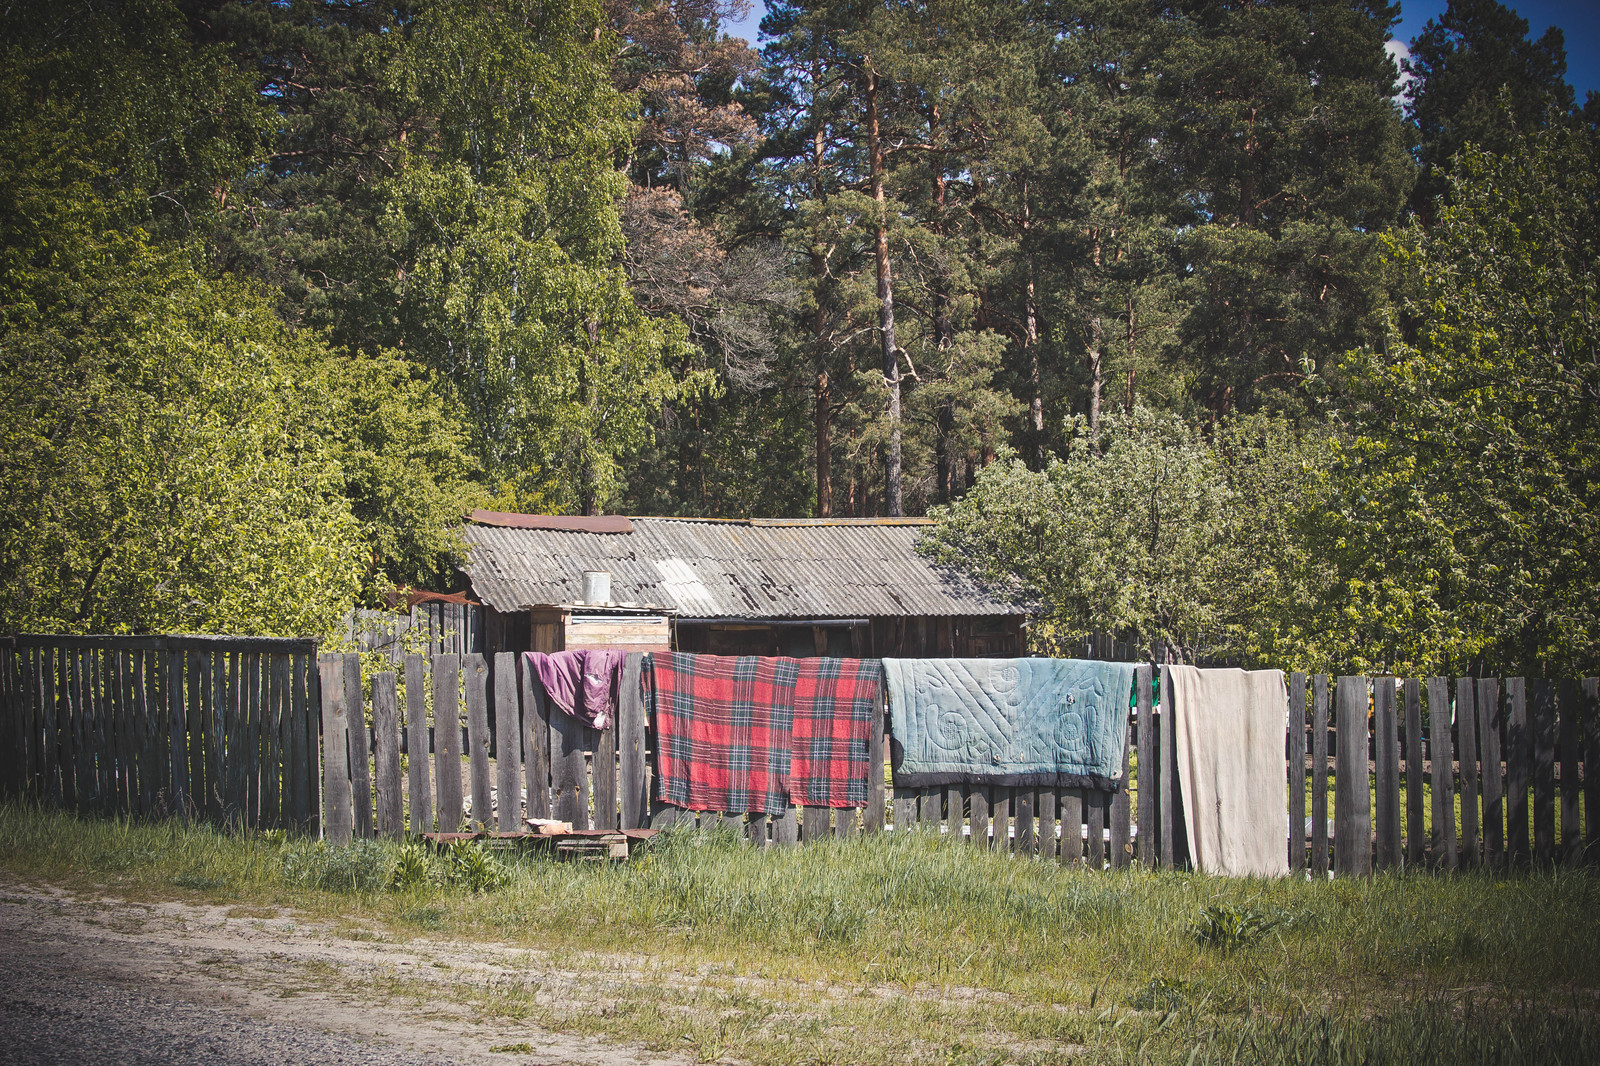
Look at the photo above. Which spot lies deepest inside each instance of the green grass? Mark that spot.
(933, 944)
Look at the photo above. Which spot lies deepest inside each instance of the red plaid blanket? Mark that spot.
(834, 701)
(758, 733)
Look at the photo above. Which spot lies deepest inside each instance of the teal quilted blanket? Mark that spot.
(1020, 722)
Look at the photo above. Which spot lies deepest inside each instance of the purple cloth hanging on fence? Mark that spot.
(583, 684)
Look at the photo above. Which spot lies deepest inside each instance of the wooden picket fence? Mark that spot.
(1494, 755)
(521, 760)
(264, 733)
(221, 729)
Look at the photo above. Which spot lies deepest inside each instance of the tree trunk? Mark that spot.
(822, 416)
(893, 503)
(1030, 341)
(944, 331)
(822, 397)
(1094, 359)
(1096, 381)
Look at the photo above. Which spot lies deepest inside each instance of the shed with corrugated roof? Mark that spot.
(845, 587)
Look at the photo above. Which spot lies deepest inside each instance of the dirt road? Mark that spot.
(104, 981)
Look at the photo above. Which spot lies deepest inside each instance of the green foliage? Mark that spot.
(411, 866)
(1229, 927)
(154, 465)
(1471, 517)
(1154, 530)
(471, 866)
(441, 186)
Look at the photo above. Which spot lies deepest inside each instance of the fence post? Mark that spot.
(356, 728)
(476, 671)
(1443, 761)
(417, 747)
(336, 812)
(1519, 754)
(1167, 771)
(1571, 853)
(1319, 776)
(1145, 840)
(1386, 749)
(634, 785)
(1467, 756)
(1591, 760)
(386, 754)
(1352, 801)
(508, 730)
(447, 738)
(1494, 815)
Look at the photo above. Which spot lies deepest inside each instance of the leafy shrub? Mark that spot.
(1222, 925)
(470, 865)
(411, 866)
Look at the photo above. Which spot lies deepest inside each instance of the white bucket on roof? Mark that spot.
(597, 586)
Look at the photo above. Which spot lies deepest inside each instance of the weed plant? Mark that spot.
(936, 948)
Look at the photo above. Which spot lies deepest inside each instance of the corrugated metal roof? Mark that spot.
(730, 569)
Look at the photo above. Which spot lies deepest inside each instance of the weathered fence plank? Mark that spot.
(872, 817)
(1416, 835)
(633, 781)
(1094, 802)
(282, 754)
(1494, 814)
(338, 821)
(508, 743)
(360, 755)
(536, 743)
(1542, 724)
(569, 776)
(1071, 848)
(1166, 772)
(475, 683)
(930, 806)
(386, 755)
(1467, 756)
(1519, 760)
(1027, 840)
(251, 748)
(905, 807)
(418, 747)
(1352, 849)
(1443, 777)
(1571, 850)
(814, 824)
(1000, 801)
(1319, 776)
(1144, 732)
(1386, 767)
(447, 740)
(1048, 807)
(978, 801)
(1119, 819)
(786, 829)
(1591, 762)
(603, 776)
(177, 748)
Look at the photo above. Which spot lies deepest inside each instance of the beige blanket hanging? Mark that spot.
(1229, 733)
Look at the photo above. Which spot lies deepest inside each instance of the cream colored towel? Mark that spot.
(1229, 727)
